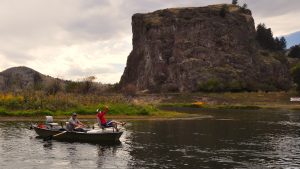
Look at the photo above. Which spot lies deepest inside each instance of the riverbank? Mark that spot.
(241, 100)
(142, 106)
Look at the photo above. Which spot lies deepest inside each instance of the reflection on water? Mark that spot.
(227, 140)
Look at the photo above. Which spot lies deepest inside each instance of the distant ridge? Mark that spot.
(25, 79)
(22, 78)
(292, 39)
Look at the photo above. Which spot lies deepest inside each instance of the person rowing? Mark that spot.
(74, 124)
(103, 123)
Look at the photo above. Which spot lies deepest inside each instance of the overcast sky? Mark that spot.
(73, 39)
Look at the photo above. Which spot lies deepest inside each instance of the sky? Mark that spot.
(74, 39)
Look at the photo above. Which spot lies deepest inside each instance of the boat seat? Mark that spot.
(53, 124)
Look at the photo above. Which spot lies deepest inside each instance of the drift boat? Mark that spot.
(56, 132)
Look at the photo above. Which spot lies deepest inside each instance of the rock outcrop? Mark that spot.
(194, 49)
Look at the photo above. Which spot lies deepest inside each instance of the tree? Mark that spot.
(264, 36)
(245, 6)
(295, 51)
(296, 75)
(87, 84)
(234, 2)
(277, 43)
(37, 81)
(53, 87)
(282, 43)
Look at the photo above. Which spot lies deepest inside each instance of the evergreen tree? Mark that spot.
(282, 43)
(234, 2)
(264, 36)
(277, 44)
(295, 51)
(245, 6)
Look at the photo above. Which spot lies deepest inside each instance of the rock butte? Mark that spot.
(191, 49)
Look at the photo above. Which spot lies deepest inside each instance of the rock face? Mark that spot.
(192, 49)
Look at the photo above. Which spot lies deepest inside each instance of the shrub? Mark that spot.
(72, 87)
(3, 112)
(212, 85)
(53, 87)
(129, 90)
(235, 86)
(295, 72)
(11, 101)
(129, 109)
(295, 51)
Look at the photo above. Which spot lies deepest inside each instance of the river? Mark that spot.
(243, 139)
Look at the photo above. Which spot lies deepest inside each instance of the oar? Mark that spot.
(52, 136)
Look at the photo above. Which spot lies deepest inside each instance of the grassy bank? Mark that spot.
(241, 100)
(33, 104)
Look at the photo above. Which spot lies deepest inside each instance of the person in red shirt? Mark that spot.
(102, 122)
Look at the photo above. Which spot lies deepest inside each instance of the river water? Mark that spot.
(251, 139)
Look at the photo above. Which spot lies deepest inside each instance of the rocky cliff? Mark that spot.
(198, 49)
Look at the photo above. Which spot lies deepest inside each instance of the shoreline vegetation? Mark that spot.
(36, 105)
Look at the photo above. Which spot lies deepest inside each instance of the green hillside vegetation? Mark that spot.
(38, 103)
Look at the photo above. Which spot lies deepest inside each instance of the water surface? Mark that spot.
(226, 140)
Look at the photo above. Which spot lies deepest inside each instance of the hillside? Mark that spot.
(20, 79)
(24, 78)
(201, 49)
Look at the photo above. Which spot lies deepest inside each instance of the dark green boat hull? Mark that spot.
(80, 136)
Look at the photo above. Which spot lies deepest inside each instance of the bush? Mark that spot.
(295, 51)
(212, 85)
(3, 112)
(83, 87)
(129, 90)
(53, 87)
(129, 109)
(235, 86)
(295, 72)
(11, 101)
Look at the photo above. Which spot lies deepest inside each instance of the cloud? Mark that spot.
(280, 15)
(75, 38)
(265, 8)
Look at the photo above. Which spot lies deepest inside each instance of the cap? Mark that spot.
(105, 107)
(74, 114)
